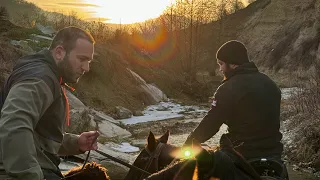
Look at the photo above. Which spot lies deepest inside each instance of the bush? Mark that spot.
(305, 121)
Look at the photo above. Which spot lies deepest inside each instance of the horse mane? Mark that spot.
(180, 170)
(90, 171)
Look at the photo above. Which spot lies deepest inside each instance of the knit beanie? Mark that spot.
(233, 52)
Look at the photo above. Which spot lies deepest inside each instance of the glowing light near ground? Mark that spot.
(187, 154)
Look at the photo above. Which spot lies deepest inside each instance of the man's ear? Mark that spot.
(59, 53)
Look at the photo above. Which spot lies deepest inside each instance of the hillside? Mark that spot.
(282, 37)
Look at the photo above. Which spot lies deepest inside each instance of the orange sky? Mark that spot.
(115, 11)
(126, 11)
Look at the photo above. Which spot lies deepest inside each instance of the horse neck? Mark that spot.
(167, 154)
(183, 170)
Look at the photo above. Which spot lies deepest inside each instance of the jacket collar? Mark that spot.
(245, 68)
(50, 60)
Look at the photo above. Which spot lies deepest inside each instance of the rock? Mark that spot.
(162, 108)
(123, 113)
(80, 121)
(74, 102)
(40, 37)
(100, 116)
(48, 30)
(123, 147)
(190, 109)
(138, 113)
(65, 166)
(22, 45)
(110, 130)
(139, 143)
(115, 170)
(94, 156)
(153, 93)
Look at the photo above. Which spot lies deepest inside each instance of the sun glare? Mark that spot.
(110, 11)
(127, 11)
(187, 154)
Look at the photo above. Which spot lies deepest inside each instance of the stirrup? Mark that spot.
(267, 167)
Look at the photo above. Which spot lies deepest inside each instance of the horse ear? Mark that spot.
(164, 138)
(151, 142)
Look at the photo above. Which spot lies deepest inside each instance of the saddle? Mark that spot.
(268, 167)
(263, 168)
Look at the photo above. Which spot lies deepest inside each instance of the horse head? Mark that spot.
(187, 169)
(156, 155)
(220, 163)
(90, 171)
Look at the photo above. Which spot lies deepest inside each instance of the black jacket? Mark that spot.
(248, 102)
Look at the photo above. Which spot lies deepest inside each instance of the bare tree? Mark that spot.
(4, 15)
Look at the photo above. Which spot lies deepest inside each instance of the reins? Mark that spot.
(113, 159)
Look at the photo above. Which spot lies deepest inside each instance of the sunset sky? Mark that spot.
(110, 11)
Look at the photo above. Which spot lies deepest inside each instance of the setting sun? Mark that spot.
(128, 11)
(109, 11)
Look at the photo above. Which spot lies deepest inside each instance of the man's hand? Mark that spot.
(88, 141)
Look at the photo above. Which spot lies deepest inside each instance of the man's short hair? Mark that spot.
(68, 36)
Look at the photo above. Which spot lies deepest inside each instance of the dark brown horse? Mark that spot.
(154, 157)
(221, 163)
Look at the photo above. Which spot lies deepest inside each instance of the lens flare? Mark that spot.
(187, 153)
(153, 48)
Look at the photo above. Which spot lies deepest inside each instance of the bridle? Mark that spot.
(153, 156)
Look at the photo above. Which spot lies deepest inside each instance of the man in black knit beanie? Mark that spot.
(248, 102)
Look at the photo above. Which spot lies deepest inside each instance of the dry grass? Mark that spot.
(8, 54)
(304, 120)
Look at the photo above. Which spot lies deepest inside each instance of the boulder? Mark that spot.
(100, 116)
(41, 38)
(115, 170)
(111, 130)
(74, 102)
(94, 156)
(138, 113)
(123, 113)
(80, 121)
(22, 45)
(47, 30)
(139, 143)
(65, 166)
(150, 92)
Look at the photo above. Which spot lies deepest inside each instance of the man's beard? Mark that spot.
(228, 69)
(65, 70)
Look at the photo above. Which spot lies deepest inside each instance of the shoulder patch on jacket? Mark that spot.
(214, 102)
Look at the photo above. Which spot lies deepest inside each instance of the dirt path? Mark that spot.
(180, 129)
